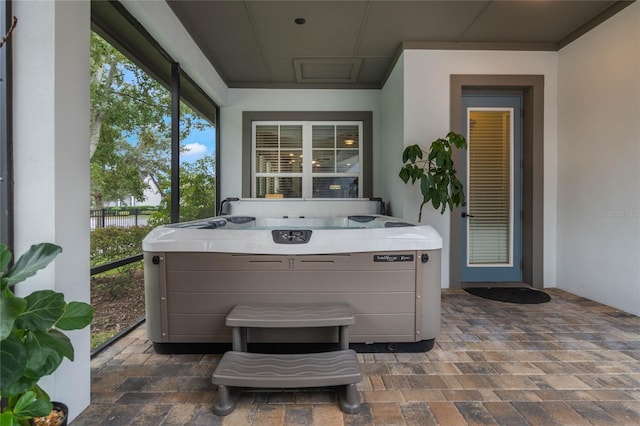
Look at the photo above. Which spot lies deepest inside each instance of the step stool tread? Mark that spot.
(283, 315)
(257, 370)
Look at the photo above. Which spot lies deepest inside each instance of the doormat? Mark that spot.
(522, 295)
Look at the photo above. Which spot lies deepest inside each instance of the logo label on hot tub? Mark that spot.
(393, 258)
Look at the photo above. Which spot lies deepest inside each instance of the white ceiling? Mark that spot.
(355, 43)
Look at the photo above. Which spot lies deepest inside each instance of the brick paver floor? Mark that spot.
(567, 362)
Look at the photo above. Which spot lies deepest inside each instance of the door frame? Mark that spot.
(510, 101)
(532, 89)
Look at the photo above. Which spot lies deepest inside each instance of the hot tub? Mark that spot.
(294, 251)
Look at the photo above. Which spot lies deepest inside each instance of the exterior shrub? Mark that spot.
(114, 243)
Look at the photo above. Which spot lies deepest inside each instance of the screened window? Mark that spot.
(307, 159)
(111, 21)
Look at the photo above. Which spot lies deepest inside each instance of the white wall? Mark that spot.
(599, 163)
(51, 163)
(392, 144)
(240, 100)
(426, 117)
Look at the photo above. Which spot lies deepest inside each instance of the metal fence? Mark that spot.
(103, 218)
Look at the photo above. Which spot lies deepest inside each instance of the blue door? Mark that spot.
(492, 174)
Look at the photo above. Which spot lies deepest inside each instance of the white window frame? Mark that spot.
(307, 173)
(511, 112)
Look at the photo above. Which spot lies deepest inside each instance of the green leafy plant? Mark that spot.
(115, 243)
(436, 172)
(32, 344)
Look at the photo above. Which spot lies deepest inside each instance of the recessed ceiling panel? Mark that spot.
(532, 21)
(391, 23)
(326, 70)
(281, 70)
(218, 27)
(330, 28)
(244, 69)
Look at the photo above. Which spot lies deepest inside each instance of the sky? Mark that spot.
(198, 144)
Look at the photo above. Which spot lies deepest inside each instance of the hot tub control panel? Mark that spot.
(291, 236)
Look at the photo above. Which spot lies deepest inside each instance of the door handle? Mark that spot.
(464, 214)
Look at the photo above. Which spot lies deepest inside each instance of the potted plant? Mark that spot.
(32, 344)
(437, 173)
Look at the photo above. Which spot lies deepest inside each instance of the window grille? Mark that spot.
(307, 159)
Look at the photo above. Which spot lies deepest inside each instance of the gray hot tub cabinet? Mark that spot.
(395, 295)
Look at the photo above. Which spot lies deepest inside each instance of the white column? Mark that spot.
(51, 163)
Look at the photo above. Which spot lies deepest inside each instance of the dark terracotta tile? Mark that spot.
(417, 413)
(426, 382)
(462, 395)
(284, 397)
(475, 381)
(627, 412)
(446, 413)
(138, 398)
(327, 415)
(592, 412)
(137, 384)
(201, 397)
(563, 414)
(95, 414)
(475, 413)
(298, 415)
(269, 415)
(151, 414)
(120, 415)
(475, 368)
(316, 397)
(534, 413)
(395, 382)
(504, 413)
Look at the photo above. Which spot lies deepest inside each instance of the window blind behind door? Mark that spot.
(489, 188)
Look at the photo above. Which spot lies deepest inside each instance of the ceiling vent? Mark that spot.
(326, 70)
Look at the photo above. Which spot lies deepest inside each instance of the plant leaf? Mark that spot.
(457, 140)
(44, 308)
(413, 153)
(435, 201)
(5, 258)
(37, 257)
(10, 309)
(77, 315)
(419, 172)
(425, 186)
(417, 151)
(435, 149)
(7, 419)
(45, 352)
(404, 174)
(29, 406)
(13, 361)
(413, 172)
